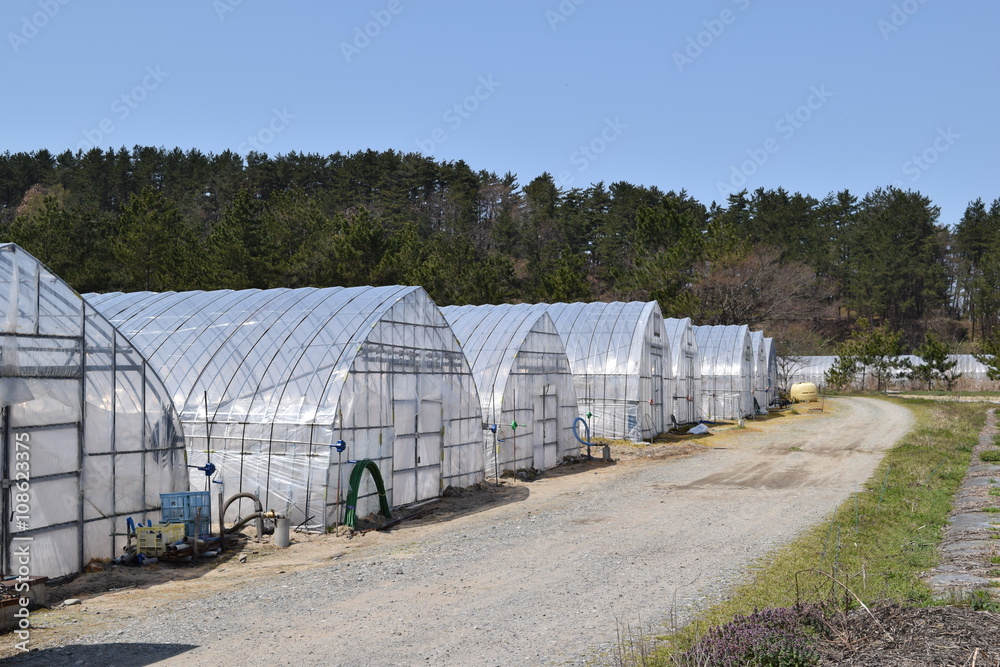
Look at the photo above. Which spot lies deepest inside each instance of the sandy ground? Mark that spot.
(544, 572)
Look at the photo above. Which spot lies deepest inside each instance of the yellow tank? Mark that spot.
(804, 392)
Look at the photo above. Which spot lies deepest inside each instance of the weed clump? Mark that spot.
(776, 637)
(990, 456)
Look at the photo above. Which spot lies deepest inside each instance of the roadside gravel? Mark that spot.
(544, 575)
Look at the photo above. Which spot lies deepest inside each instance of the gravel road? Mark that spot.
(544, 577)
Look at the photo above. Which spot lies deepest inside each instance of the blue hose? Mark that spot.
(586, 428)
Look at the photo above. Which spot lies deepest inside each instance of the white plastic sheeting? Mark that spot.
(89, 434)
(805, 369)
(726, 371)
(973, 374)
(523, 377)
(266, 381)
(686, 361)
(760, 379)
(621, 366)
(773, 383)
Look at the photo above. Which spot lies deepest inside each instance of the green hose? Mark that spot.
(351, 517)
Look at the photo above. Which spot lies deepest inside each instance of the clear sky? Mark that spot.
(706, 96)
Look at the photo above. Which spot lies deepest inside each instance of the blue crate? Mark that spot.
(183, 507)
(190, 530)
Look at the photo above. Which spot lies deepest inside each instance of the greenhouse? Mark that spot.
(686, 364)
(761, 389)
(90, 436)
(971, 374)
(525, 384)
(726, 371)
(807, 369)
(621, 366)
(267, 383)
(773, 384)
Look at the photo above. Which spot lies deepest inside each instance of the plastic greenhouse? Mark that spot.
(621, 365)
(266, 383)
(726, 371)
(525, 384)
(90, 436)
(808, 369)
(686, 361)
(773, 382)
(760, 377)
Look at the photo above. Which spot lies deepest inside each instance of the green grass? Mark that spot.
(879, 541)
(990, 455)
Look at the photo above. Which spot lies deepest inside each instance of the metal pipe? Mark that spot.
(257, 506)
(256, 516)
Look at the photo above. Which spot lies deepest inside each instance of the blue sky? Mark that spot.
(706, 96)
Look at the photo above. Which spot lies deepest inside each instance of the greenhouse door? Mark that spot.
(417, 451)
(689, 397)
(656, 413)
(546, 443)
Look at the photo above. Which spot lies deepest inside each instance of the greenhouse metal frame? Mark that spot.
(773, 383)
(268, 381)
(89, 433)
(620, 358)
(761, 388)
(524, 382)
(686, 360)
(726, 371)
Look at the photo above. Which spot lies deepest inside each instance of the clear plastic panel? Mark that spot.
(63, 354)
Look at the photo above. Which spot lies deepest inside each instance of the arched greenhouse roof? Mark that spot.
(680, 334)
(260, 355)
(492, 336)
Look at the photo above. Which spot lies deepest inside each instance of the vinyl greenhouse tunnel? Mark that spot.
(524, 381)
(89, 432)
(621, 365)
(266, 383)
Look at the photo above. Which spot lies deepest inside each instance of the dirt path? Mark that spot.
(541, 573)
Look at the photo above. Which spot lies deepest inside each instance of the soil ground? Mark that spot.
(541, 572)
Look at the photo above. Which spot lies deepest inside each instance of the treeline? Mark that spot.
(802, 268)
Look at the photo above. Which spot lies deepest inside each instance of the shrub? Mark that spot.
(990, 456)
(777, 637)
